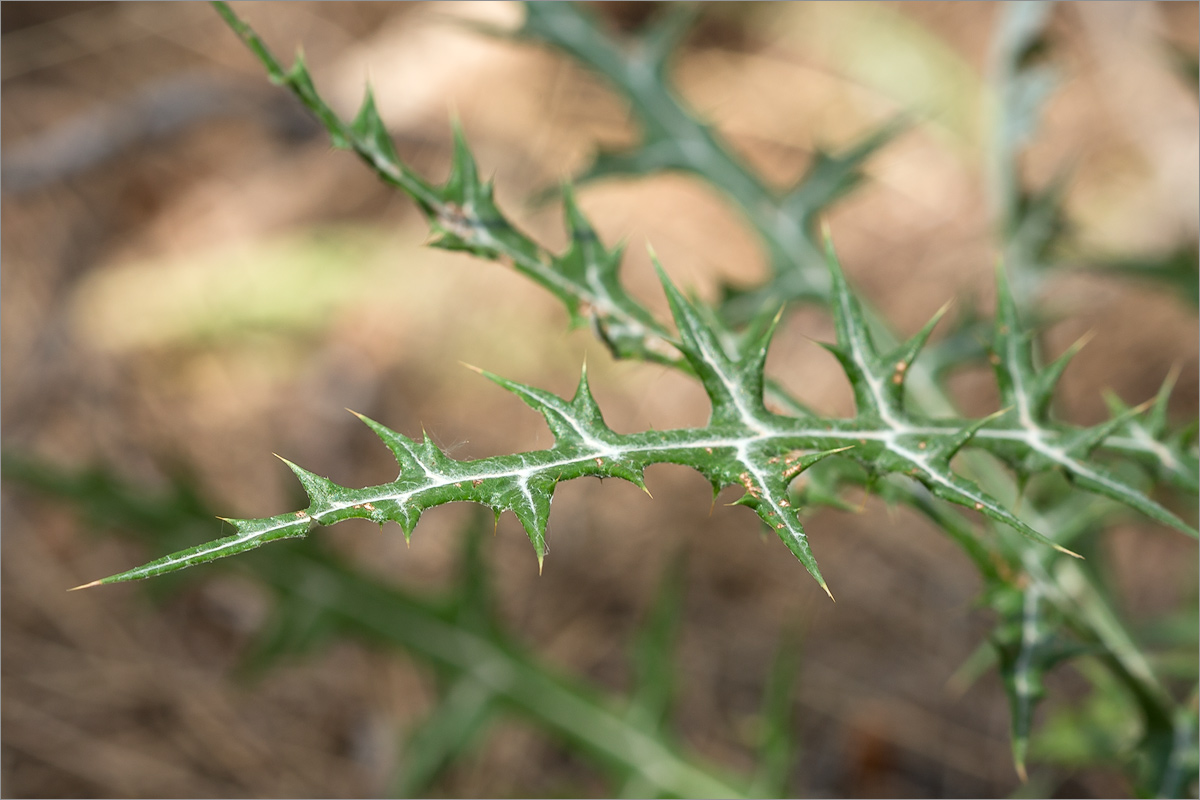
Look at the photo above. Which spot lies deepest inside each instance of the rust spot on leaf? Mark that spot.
(456, 221)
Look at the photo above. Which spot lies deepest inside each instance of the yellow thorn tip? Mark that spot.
(1071, 553)
(85, 586)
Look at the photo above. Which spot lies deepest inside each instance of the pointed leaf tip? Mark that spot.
(85, 586)
(826, 234)
(1068, 552)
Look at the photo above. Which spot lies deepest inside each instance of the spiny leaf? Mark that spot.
(468, 219)
(767, 494)
(659, 39)
(586, 261)
(1176, 459)
(1028, 390)
(878, 378)
(251, 533)
(1100, 481)
(832, 175)
(1175, 270)
(463, 211)
(674, 139)
(319, 490)
(734, 385)
(370, 130)
(744, 444)
(463, 215)
(620, 321)
(855, 350)
(1027, 648)
(935, 473)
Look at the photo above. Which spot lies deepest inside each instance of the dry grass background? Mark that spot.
(220, 291)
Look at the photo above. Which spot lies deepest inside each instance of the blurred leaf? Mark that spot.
(317, 592)
(452, 730)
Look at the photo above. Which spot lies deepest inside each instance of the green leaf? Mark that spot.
(777, 743)
(451, 730)
(1027, 650)
(251, 533)
(734, 384)
(1045, 445)
(672, 138)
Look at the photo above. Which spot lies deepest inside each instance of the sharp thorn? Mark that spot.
(1071, 553)
(85, 586)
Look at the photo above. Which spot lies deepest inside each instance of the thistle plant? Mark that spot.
(905, 440)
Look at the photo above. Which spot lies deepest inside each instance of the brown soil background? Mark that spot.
(107, 360)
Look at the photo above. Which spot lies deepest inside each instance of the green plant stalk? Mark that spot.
(574, 712)
(464, 712)
(1027, 224)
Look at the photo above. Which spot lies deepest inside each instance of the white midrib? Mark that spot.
(741, 445)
